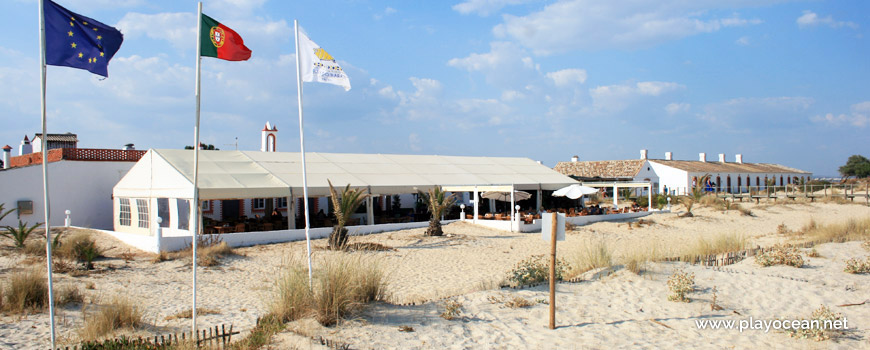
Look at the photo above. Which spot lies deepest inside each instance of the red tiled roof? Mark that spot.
(601, 168)
(696, 166)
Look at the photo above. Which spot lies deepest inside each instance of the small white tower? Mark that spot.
(25, 147)
(269, 136)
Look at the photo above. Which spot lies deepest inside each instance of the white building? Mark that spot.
(80, 180)
(679, 176)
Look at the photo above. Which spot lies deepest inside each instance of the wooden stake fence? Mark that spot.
(216, 338)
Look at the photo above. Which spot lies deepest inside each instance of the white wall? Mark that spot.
(85, 188)
(675, 179)
(647, 172)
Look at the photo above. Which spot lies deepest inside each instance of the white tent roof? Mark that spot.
(252, 174)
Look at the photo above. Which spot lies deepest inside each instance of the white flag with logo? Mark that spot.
(318, 65)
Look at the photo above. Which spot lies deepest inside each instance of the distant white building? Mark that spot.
(679, 176)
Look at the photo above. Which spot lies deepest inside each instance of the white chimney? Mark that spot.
(575, 159)
(738, 158)
(128, 147)
(539, 162)
(721, 157)
(268, 141)
(669, 155)
(643, 153)
(702, 157)
(6, 151)
(25, 147)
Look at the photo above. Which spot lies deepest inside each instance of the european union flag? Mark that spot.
(77, 41)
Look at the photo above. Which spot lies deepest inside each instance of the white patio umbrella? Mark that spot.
(574, 191)
(506, 196)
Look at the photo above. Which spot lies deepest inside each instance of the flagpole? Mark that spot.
(198, 211)
(302, 151)
(44, 146)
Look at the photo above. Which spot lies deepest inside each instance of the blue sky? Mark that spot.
(775, 80)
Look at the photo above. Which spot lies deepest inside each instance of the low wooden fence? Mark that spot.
(218, 337)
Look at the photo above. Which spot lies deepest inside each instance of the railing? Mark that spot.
(78, 154)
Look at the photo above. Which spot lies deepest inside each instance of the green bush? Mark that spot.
(534, 269)
(780, 255)
(81, 248)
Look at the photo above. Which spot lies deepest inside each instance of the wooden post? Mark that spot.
(553, 271)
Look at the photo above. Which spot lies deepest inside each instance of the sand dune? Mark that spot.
(616, 311)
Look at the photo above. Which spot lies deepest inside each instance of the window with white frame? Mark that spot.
(124, 216)
(142, 208)
(259, 204)
(281, 202)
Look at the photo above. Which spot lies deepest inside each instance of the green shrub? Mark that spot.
(820, 325)
(780, 255)
(856, 266)
(534, 269)
(681, 283)
(19, 234)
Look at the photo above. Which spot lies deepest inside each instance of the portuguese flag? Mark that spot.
(222, 42)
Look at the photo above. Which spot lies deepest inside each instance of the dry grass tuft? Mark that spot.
(341, 287)
(519, 302)
(721, 243)
(68, 294)
(591, 255)
(81, 248)
(160, 257)
(452, 309)
(636, 258)
(187, 314)
(851, 230)
(209, 251)
(119, 313)
(26, 291)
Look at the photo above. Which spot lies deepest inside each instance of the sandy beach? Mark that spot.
(615, 310)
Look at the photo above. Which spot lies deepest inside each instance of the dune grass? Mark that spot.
(209, 251)
(850, 230)
(718, 244)
(119, 313)
(591, 255)
(342, 286)
(68, 294)
(25, 292)
(80, 247)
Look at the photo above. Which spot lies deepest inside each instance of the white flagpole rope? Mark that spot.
(302, 151)
(198, 213)
(44, 146)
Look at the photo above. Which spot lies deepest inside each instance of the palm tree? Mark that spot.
(344, 205)
(437, 201)
(3, 214)
(698, 192)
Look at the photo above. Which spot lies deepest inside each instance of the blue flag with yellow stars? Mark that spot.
(77, 41)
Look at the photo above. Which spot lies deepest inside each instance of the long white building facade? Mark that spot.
(680, 176)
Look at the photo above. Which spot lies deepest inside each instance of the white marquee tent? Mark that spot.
(251, 174)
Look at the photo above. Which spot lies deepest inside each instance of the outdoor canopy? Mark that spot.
(253, 174)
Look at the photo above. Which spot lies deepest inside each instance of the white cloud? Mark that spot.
(859, 116)
(511, 95)
(744, 41)
(423, 103)
(506, 66)
(177, 28)
(590, 25)
(568, 77)
(414, 141)
(756, 112)
(811, 19)
(674, 108)
(387, 11)
(387, 92)
(615, 98)
(485, 7)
